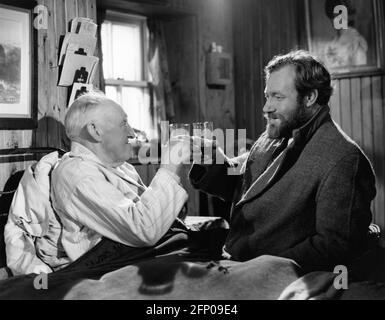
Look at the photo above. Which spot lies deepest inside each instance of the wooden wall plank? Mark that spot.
(356, 110)
(4, 175)
(41, 134)
(240, 82)
(346, 108)
(4, 170)
(71, 11)
(382, 226)
(238, 71)
(335, 103)
(267, 49)
(367, 123)
(52, 75)
(82, 8)
(249, 74)
(250, 33)
(27, 139)
(276, 28)
(255, 111)
(367, 116)
(378, 144)
(284, 27)
(216, 25)
(292, 36)
(188, 83)
(61, 92)
(91, 12)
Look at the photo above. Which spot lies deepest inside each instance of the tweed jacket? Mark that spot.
(314, 207)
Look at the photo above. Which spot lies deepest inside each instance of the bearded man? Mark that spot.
(305, 187)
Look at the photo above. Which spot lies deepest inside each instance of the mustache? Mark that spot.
(271, 116)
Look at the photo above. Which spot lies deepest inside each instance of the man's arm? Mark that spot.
(219, 180)
(127, 218)
(342, 216)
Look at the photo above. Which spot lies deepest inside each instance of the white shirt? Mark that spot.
(93, 200)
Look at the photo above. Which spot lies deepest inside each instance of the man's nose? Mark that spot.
(268, 107)
(131, 132)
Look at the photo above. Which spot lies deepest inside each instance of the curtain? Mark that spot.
(159, 71)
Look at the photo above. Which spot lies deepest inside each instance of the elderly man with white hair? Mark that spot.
(96, 193)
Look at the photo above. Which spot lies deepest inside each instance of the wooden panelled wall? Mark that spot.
(264, 28)
(357, 105)
(188, 40)
(52, 100)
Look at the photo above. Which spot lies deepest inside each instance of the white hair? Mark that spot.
(81, 111)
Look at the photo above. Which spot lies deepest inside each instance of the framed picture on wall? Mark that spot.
(347, 35)
(17, 98)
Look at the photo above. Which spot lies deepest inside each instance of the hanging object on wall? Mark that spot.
(79, 68)
(78, 89)
(76, 55)
(218, 66)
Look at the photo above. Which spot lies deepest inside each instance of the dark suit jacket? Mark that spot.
(314, 208)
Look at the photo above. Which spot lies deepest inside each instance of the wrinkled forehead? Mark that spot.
(281, 80)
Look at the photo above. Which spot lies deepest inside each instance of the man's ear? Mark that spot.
(311, 98)
(94, 131)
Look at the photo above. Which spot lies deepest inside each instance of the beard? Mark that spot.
(279, 126)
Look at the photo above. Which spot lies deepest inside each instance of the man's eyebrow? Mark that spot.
(274, 93)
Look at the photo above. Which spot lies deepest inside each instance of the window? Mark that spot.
(124, 46)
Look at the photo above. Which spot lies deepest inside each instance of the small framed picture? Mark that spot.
(346, 35)
(18, 109)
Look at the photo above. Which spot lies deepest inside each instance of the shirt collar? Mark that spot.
(304, 133)
(78, 150)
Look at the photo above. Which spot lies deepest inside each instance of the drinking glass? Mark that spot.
(203, 129)
(164, 133)
(179, 129)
